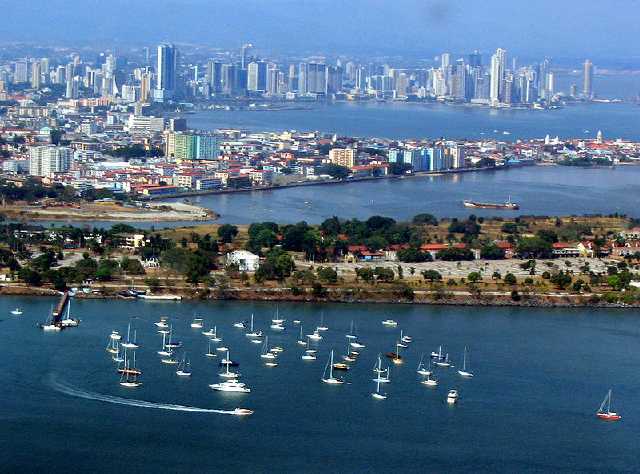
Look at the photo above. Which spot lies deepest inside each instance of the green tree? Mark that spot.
(491, 252)
(227, 233)
(327, 275)
(425, 219)
(431, 275)
(510, 279)
(474, 277)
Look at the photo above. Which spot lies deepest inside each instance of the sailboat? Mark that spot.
(215, 337)
(464, 372)
(382, 375)
(209, 353)
(227, 373)
(278, 320)
(421, 369)
(49, 325)
(209, 332)
(395, 357)
(389, 323)
(301, 341)
(309, 354)
(444, 362)
(184, 367)
(68, 321)
(129, 377)
(117, 357)
(322, 327)
(162, 324)
(129, 344)
(240, 324)
(316, 336)
(197, 323)
(112, 343)
(330, 379)
(126, 368)
(165, 351)
(172, 344)
(377, 394)
(357, 345)
(352, 333)
(349, 356)
(604, 412)
(252, 332)
(405, 339)
(266, 354)
(16, 312)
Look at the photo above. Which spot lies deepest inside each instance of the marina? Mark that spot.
(77, 387)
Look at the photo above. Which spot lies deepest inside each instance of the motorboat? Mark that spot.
(16, 312)
(232, 386)
(452, 397)
(389, 323)
(197, 323)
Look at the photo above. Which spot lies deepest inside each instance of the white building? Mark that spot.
(246, 261)
(46, 160)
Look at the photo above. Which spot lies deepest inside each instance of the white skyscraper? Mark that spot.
(46, 160)
(498, 63)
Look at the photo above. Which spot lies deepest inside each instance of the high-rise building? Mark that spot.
(166, 72)
(36, 75)
(214, 76)
(498, 69)
(244, 55)
(587, 85)
(46, 160)
(191, 146)
(445, 61)
(21, 72)
(257, 76)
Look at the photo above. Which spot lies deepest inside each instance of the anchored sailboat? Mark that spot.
(464, 372)
(330, 379)
(604, 412)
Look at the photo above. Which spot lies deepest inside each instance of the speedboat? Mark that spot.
(277, 327)
(452, 397)
(308, 356)
(271, 364)
(389, 322)
(357, 345)
(162, 323)
(242, 412)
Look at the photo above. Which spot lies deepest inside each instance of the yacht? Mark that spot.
(322, 327)
(197, 323)
(389, 323)
(308, 356)
(382, 375)
(296, 321)
(162, 324)
(16, 312)
(222, 349)
(228, 374)
(452, 397)
(50, 325)
(232, 386)
(464, 372)
(266, 354)
(271, 364)
(331, 380)
(277, 327)
(357, 345)
(421, 368)
(444, 362)
(604, 412)
(209, 353)
(126, 367)
(316, 336)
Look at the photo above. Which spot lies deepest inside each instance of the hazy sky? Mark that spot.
(527, 27)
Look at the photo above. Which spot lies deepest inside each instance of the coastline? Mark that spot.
(350, 295)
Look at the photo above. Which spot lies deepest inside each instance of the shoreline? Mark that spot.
(350, 296)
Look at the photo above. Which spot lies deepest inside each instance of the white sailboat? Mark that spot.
(16, 312)
(252, 332)
(49, 325)
(382, 375)
(377, 394)
(113, 344)
(129, 377)
(266, 354)
(301, 340)
(228, 374)
(390, 323)
(68, 321)
(162, 323)
(240, 324)
(118, 357)
(322, 326)
(209, 353)
(209, 332)
(316, 336)
(421, 368)
(278, 320)
(464, 372)
(165, 351)
(352, 332)
(184, 367)
(331, 380)
(130, 344)
(197, 323)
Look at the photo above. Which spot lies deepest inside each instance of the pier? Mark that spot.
(59, 311)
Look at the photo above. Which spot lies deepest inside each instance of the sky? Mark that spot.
(569, 28)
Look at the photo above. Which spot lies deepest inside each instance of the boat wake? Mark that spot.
(72, 391)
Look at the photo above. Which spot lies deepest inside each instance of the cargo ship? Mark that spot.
(508, 205)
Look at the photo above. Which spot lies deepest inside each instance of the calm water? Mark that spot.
(540, 374)
(539, 190)
(434, 120)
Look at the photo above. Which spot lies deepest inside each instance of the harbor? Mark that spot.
(69, 387)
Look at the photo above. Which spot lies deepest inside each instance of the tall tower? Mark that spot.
(587, 86)
(498, 63)
(166, 71)
(244, 59)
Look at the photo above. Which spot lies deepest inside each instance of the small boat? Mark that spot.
(165, 351)
(242, 412)
(256, 341)
(277, 327)
(233, 386)
(68, 321)
(308, 356)
(464, 372)
(278, 321)
(197, 323)
(228, 374)
(209, 353)
(316, 336)
(301, 341)
(184, 367)
(508, 205)
(377, 394)
(252, 332)
(16, 312)
(341, 366)
(382, 374)
(277, 349)
(352, 332)
(357, 345)
(271, 364)
(209, 332)
(266, 354)
(395, 357)
(322, 327)
(444, 362)
(115, 335)
(169, 360)
(296, 321)
(389, 322)
(162, 323)
(130, 344)
(422, 370)
(129, 377)
(240, 325)
(331, 380)
(452, 397)
(222, 349)
(604, 412)
(429, 382)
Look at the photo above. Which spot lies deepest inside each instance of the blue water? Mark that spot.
(407, 120)
(540, 374)
(540, 190)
